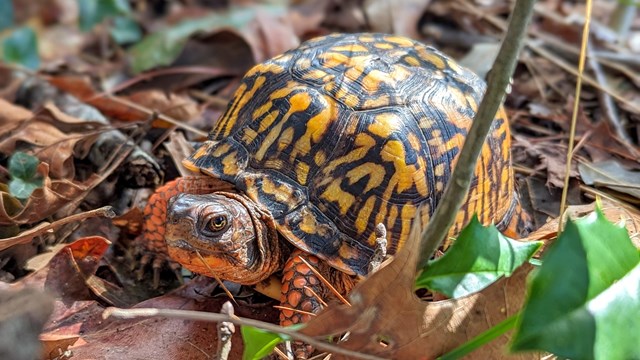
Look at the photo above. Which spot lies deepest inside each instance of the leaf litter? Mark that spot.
(191, 83)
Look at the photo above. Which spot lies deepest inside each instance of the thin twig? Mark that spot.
(161, 116)
(226, 329)
(216, 277)
(325, 282)
(320, 300)
(280, 307)
(458, 185)
(280, 353)
(28, 235)
(626, 58)
(214, 317)
(574, 116)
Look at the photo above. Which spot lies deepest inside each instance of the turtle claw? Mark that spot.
(158, 261)
(156, 277)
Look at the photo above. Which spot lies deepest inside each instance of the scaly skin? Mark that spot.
(301, 288)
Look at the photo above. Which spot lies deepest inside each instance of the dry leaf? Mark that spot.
(132, 220)
(178, 107)
(51, 135)
(41, 260)
(55, 345)
(64, 278)
(270, 35)
(613, 211)
(384, 307)
(179, 148)
(161, 338)
(552, 157)
(611, 174)
(46, 200)
(81, 88)
(400, 17)
(175, 106)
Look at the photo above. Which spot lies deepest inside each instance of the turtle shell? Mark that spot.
(348, 131)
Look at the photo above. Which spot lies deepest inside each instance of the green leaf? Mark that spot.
(24, 179)
(21, 47)
(617, 313)
(479, 257)
(125, 30)
(93, 12)
(22, 189)
(584, 301)
(162, 47)
(23, 165)
(6, 14)
(259, 343)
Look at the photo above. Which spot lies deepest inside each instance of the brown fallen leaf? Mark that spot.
(545, 200)
(179, 149)
(179, 107)
(611, 174)
(81, 88)
(162, 338)
(27, 236)
(270, 35)
(603, 143)
(131, 221)
(385, 309)
(615, 211)
(176, 106)
(46, 200)
(552, 158)
(64, 279)
(51, 135)
(56, 345)
(397, 17)
(41, 260)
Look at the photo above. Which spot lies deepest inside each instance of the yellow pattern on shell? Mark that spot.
(335, 193)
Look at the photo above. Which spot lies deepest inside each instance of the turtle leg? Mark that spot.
(298, 301)
(303, 294)
(150, 245)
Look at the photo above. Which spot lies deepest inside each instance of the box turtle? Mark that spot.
(320, 144)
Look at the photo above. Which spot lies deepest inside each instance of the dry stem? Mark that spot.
(202, 316)
(458, 185)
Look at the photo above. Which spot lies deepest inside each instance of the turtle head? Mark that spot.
(223, 234)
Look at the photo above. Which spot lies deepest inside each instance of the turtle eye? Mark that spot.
(217, 223)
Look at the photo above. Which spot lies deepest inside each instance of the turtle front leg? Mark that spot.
(298, 285)
(302, 292)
